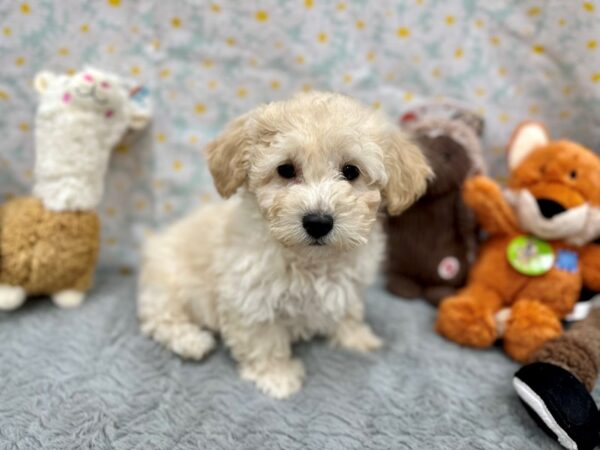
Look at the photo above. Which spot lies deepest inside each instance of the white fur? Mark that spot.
(79, 120)
(246, 269)
(68, 299)
(528, 137)
(573, 222)
(11, 297)
(590, 230)
(221, 270)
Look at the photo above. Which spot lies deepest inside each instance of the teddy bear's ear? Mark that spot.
(43, 80)
(527, 137)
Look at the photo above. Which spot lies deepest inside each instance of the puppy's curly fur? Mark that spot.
(249, 270)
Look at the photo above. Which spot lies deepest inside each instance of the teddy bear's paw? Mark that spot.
(68, 299)
(279, 379)
(466, 322)
(11, 297)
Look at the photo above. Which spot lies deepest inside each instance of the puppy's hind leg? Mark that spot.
(163, 317)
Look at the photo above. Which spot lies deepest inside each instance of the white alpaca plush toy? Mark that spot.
(49, 241)
(79, 121)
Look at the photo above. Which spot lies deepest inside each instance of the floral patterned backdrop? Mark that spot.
(206, 61)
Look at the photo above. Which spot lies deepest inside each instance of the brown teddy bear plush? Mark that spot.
(530, 271)
(436, 264)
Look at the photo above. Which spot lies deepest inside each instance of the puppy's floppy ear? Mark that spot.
(407, 169)
(227, 156)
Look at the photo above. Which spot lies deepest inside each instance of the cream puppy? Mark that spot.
(289, 256)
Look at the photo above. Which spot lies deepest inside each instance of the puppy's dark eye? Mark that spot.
(573, 174)
(350, 172)
(286, 171)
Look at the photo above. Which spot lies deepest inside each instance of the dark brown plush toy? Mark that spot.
(430, 245)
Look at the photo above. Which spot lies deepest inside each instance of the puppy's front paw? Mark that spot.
(191, 342)
(356, 336)
(277, 379)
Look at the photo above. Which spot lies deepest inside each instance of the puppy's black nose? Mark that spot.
(550, 208)
(317, 225)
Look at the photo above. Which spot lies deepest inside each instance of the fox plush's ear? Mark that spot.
(527, 137)
(407, 169)
(227, 156)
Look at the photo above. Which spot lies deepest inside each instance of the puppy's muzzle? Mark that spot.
(317, 225)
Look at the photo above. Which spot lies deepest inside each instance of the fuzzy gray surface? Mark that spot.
(87, 379)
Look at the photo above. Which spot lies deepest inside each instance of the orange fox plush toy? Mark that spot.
(531, 269)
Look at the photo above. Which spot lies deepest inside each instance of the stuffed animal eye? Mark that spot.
(286, 171)
(350, 172)
(573, 174)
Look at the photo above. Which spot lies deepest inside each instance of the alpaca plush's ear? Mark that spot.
(43, 80)
(227, 156)
(527, 137)
(407, 169)
(140, 107)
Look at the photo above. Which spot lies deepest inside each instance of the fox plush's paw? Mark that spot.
(529, 326)
(479, 189)
(466, 322)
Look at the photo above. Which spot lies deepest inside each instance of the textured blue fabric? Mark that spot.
(86, 378)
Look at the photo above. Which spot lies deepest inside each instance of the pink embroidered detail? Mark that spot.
(109, 114)
(448, 268)
(66, 97)
(105, 84)
(88, 77)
